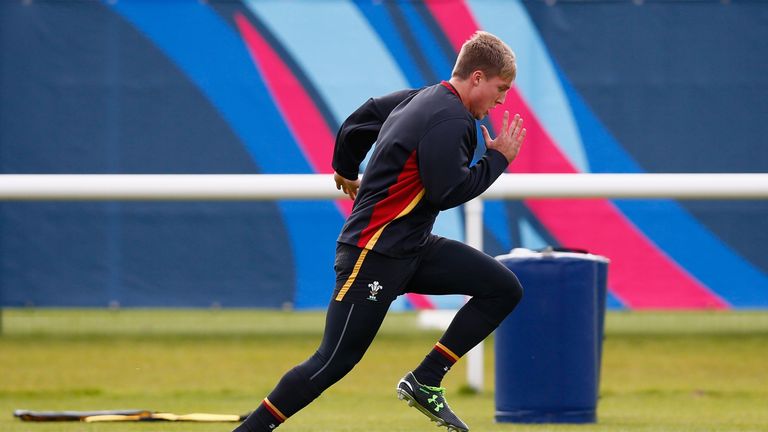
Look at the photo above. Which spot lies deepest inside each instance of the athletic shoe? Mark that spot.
(430, 401)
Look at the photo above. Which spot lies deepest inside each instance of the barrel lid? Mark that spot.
(549, 252)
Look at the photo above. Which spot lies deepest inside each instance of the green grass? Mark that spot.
(661, 371)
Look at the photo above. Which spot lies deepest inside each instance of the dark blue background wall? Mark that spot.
(132, 86)
(84, 92)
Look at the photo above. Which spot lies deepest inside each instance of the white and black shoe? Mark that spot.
(430, 401)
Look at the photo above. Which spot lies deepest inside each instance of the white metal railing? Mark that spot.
(172, 187)
(110, 187)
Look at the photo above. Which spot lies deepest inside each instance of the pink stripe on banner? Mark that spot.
(300, 113)
(302, 116)
(455, 18)
(419, 301)
(640, 275)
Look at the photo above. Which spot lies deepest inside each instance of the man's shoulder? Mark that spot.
(439, 103)
(430, 107)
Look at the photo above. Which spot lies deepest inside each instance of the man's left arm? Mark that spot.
(444, 157)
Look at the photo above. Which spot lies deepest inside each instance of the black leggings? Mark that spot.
(446, 267)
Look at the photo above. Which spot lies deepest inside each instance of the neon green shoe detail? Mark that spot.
(431, 402)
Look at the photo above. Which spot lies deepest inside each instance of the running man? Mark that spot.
(425, 140)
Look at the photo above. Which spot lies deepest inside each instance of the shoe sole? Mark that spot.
(405, 396)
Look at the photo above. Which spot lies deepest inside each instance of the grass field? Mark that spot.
(661, 371)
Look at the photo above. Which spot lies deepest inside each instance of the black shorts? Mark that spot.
(365, 276)
(442, 266)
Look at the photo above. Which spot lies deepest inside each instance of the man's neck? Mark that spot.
(462, 88)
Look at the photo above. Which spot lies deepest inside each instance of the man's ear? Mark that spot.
(476, 77)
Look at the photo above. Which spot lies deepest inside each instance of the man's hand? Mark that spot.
(349, 187)
(510, 137)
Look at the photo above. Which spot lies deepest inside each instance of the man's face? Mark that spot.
(487, 93)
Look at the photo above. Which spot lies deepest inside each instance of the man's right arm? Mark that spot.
(361, 129)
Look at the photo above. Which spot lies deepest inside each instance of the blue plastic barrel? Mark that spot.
(548, 350)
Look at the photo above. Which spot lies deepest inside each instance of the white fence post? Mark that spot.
(473, 222)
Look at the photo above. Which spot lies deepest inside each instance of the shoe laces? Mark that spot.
(440, 390)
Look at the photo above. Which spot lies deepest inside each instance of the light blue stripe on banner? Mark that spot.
(346, 63)
(441, 66)
(334, 45)
(379, 19)
(537, 78)
(529, 237)
(217, 61)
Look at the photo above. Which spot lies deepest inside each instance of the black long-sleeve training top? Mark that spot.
(425, 140)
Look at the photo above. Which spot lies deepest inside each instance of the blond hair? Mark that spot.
(485, 52)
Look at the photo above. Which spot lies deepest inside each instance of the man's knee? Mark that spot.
(507, 294)
(329, 371)
(303, 390)
(505, 289)
(514, 291)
